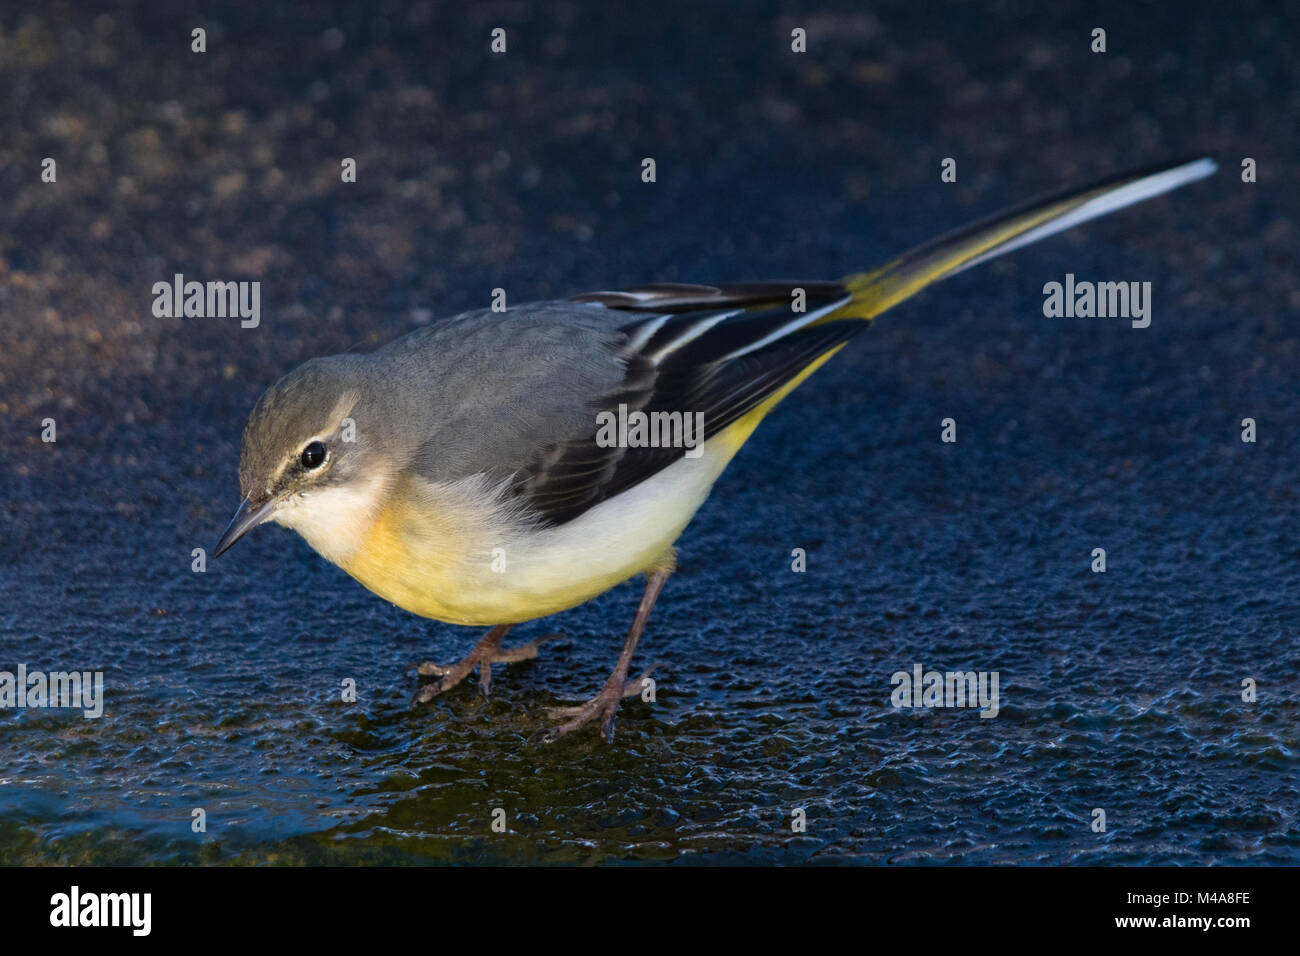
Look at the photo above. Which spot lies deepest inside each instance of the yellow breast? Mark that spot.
(428, 553)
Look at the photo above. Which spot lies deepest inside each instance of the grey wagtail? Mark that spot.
(463, 472)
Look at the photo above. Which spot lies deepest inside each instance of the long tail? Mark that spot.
(885, 287)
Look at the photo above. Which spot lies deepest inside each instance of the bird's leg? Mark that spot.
(509, 655)
(486, 652)
(605, 704)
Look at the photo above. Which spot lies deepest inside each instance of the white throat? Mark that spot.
(334, 520)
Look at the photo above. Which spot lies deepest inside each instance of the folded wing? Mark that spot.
(715, 350)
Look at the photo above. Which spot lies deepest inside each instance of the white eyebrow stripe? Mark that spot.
(347, 401)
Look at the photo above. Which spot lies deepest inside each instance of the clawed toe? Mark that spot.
(604, 705)
(524, 652)
(486, 652)
(637, 684)
(429, 691)
(426, 669)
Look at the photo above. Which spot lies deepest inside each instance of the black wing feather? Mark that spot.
(687, 362)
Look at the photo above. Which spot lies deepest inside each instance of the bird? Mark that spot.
(465, 472)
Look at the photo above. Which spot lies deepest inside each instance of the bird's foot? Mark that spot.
(604, 705)
(486, 653)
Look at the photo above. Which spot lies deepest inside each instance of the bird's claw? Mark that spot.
(604, 705)
(482, 658)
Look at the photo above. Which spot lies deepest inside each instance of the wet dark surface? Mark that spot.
(1120, 690)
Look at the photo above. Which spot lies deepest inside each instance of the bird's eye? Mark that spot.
(313, 455)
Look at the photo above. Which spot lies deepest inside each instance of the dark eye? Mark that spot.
(313, 455)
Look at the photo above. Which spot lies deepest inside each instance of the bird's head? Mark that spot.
(310, 459)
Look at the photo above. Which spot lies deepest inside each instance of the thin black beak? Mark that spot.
(246, 519)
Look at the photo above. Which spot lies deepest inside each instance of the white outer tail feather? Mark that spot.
(1116, 199)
